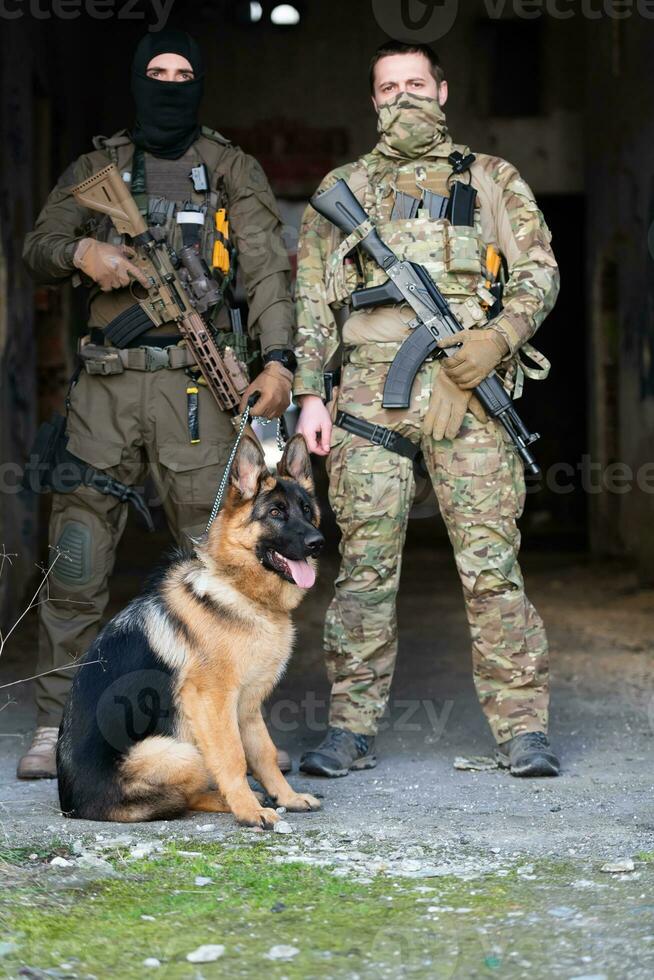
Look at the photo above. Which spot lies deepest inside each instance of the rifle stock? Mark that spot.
(107, 192)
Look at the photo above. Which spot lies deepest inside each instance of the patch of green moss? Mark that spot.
(341, 927)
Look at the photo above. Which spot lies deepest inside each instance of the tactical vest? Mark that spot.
(453, 254)
(189, 219)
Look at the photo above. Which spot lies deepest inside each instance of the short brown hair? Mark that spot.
(402, 47)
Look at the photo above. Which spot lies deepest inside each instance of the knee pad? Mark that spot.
(74, 565)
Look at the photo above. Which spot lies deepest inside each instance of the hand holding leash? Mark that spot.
(273, 386)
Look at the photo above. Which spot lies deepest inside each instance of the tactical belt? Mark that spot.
(112, 360)
(379, 435)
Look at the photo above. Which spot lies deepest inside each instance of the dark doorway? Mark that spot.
(556, 511)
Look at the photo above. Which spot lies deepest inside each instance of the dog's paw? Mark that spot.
(257, 817)
(302, 803)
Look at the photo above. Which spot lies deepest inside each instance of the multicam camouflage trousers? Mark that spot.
(479, 485)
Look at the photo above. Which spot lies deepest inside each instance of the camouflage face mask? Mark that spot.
(411, 126)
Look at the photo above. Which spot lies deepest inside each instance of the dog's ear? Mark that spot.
(296, 462)
(248, 468)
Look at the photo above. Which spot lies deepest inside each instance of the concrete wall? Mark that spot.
(17, 345)
(619, 133)
(39, 127)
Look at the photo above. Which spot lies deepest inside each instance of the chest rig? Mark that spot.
(426, 212)
(185, 201)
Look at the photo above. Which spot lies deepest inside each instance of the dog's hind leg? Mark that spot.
(160, 778)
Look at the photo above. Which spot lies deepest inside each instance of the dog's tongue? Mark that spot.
(303, 574)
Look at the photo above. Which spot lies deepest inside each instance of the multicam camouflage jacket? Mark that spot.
(506, 216)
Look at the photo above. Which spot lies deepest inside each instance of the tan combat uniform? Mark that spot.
(478, 479)
(134, 422)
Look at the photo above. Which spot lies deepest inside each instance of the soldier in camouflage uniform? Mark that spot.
(477, 477)
(140, 410)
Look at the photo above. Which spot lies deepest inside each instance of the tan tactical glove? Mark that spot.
(274, 388)
(447, 407)
(108, 265)
(481, 351)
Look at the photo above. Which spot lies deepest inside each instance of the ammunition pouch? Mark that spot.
(52, 467)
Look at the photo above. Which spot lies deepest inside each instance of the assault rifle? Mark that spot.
(412, 284)
(181, 288)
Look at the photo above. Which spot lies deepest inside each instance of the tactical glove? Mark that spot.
(447, 408)
(481, 351)
(274, 388)
(108, 265)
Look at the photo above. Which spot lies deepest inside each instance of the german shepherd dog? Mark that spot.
(164, 714)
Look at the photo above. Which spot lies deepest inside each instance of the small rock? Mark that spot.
(93, 861)
(278, 907)
(282, 952)
(148, 918)
(206, 954)
(59, 862)
(618, 867)
(122, 840)
(146, 848)
(200, 881)
(281, 810)
(151, 961)
(282, 827)
(561, 912)
(205, 827)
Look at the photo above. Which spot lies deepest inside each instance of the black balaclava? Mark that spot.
(166, 112)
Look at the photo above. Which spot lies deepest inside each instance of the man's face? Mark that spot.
(170, 68)
(397, 73)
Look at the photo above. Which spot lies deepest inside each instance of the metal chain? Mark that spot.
(278, 431)
(228, 469)
(230, 462)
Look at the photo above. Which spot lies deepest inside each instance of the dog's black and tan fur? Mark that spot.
(195, 658)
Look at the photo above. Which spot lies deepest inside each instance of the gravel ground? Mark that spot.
(416, 813)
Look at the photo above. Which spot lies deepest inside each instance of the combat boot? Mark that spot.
(40, 760)
(340, 751)
(528, 755)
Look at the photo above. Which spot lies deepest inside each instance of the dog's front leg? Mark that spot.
(261, 755)
(212, 714)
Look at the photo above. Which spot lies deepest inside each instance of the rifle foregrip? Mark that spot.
(408, 361)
